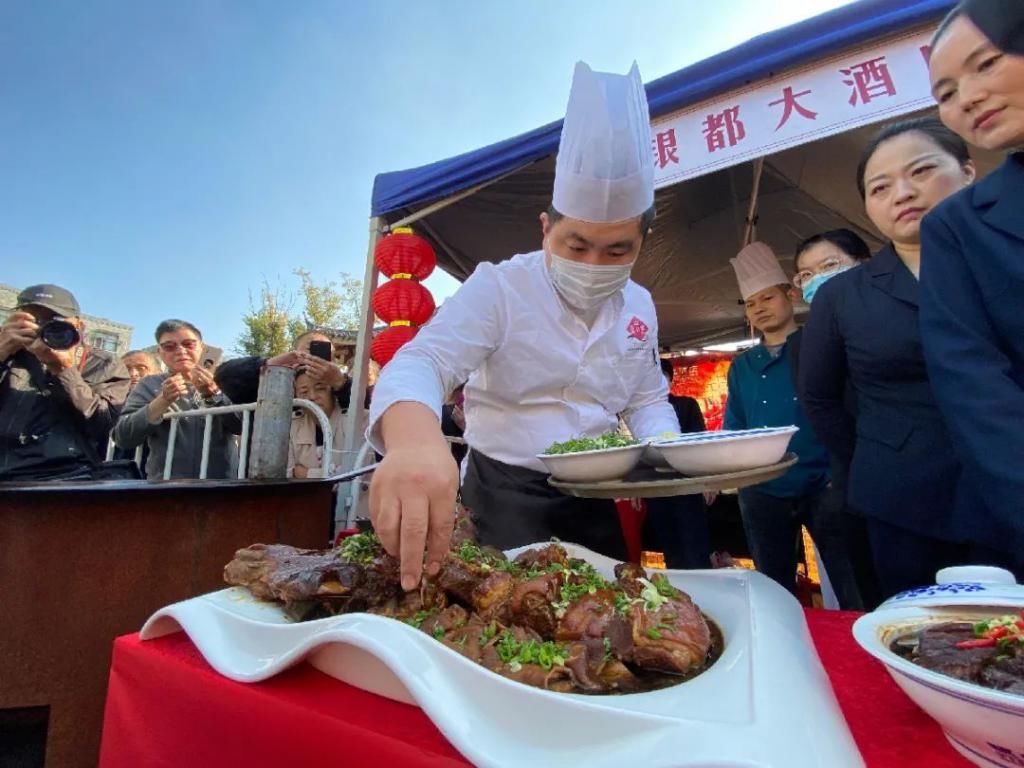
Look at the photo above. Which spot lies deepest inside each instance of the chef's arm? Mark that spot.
(412, 494)
(465, 331)
(410, 425)
(649, 412)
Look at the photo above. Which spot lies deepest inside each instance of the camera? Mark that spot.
(59, 334)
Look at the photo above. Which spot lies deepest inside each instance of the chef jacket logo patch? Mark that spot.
(637, 329)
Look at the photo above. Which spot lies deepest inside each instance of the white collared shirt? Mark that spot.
(536, 374)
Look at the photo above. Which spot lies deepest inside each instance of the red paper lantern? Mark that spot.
(386, 343)
(403, 253)
(403, 300)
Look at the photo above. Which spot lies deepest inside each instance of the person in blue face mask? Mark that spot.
(817, 260)
(821, 257)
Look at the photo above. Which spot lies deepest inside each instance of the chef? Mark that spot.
(552, 345)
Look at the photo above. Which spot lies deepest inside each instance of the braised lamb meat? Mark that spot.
(313, 583)
(544, 619)
(280, 572)
(588, 616)
(671, 638)
(964, 651)
(936, 650)
(492, 595)
(629, 576)
(542, 559)
(532, 602)
(1005, 673)
(596, 669)
(448, 620)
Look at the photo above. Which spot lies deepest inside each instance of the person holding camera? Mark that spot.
(58, 397)
(187, 385)
(313, 352)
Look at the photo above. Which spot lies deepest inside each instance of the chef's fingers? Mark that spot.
(442, 523)
(385, 514)
(415, 521)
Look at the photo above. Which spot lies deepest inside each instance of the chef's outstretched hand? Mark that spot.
(412, 494)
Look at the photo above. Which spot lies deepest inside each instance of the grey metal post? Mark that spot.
(360, 369)
(360, 366)
(269, 453)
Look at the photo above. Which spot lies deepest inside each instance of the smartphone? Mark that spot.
(321, 349)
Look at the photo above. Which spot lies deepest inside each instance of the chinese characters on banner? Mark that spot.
(844, 92)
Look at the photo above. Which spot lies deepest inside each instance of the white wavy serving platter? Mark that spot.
(765, 702)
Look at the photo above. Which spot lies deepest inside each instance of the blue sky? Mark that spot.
(161, 159)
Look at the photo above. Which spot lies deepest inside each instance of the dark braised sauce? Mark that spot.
(935, 648)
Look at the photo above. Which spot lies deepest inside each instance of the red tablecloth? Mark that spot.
(167, 707)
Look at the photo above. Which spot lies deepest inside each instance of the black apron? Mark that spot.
(513, 506)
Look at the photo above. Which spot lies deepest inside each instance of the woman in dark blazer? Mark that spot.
(863, 329)
(972, 289)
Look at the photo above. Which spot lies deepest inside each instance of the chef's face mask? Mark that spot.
(586, 286)
(811, 286)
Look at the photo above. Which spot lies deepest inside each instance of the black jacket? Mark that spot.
(52, 425)
(688, 412)
(863, 329)
(239, 379)
(972, 328)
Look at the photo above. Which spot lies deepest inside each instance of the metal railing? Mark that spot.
(347, 504)
(112, 446)
(246, 409)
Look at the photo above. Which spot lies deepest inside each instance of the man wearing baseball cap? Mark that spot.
(58, 397)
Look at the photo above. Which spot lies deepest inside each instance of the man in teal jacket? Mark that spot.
(762, 394)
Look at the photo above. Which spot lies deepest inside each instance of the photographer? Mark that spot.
(58, 397)
(186, 386)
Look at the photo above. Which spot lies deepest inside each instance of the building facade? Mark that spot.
(100, 333)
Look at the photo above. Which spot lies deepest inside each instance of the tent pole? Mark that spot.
(752, 213)
(360, 369)
(751, 230)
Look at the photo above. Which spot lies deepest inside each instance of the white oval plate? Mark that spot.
(765, 702)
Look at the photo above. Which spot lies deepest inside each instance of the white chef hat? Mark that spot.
(605, 166)
(757, 268)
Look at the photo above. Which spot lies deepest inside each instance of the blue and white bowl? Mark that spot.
(986, 726)
(715, 453)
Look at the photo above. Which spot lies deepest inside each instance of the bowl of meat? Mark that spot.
(956, 649)
(548, 654)
(592, 459)
(715, 453)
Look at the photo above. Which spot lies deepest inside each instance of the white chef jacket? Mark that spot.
(536, 373)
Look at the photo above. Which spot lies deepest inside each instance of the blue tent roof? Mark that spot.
(754, 60)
